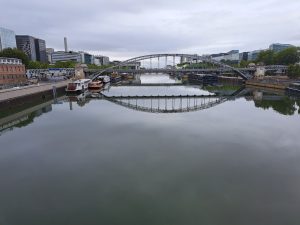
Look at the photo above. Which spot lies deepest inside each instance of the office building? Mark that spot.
(87, 58)
(279, 47)
(7, 39)
(40, 47)
(100, 60)
(233, 56)
(62, 56)
(26, 44)
(34, 48)
(12, 71)
(244, 56)
(252, 56)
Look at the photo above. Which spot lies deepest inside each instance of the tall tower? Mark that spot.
(66, 44)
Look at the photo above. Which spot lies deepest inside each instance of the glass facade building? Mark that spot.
(62, 56)
(7, 39)
(41, 53)
(279, 47)
(27, 45)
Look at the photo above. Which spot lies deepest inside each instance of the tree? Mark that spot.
(288, 56)
(244, 64)
(37, 65)
(67, 64)
(266, 57)
(15, 53)
(294, 71)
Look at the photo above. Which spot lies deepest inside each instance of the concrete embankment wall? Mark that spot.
(11, 100)
(281, 86)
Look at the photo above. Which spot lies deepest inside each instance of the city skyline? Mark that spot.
(122, 29)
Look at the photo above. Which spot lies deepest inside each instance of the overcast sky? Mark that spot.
(127, 28)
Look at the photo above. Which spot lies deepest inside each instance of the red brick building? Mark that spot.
(12, 72)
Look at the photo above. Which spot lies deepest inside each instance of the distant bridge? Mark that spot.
(196, 58)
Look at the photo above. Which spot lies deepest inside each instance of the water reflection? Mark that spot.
(162, 93)
(103, 163)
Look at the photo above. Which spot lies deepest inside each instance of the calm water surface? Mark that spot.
(88, 161)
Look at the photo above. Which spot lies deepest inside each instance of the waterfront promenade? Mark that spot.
(29, 90)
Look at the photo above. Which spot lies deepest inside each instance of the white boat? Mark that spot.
(78, 85)
(294, 87)
(105, 79)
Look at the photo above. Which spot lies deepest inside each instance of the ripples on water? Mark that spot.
(92, 161)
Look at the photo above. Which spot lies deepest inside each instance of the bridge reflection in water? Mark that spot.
(168, 103)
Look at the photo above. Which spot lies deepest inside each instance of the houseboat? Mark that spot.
(78, 86)
(203, 78)
(95, 85)
(104, 79)
(115, 77)
(294, 87)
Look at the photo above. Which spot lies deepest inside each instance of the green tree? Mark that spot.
(294, 71)
(244, 64)
(37, 65)
(266, 57)
(67, 64)
(288, 56)
(15, 53)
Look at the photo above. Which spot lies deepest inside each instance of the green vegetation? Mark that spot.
(15, 53)
(67, 64)
(93, 66)
(202, 65)
(287, 57)
(294, 71)
(285, 106)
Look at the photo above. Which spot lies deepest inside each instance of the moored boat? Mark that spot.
(78, 86)
(294, 87)
(97, 84)
(105, 79)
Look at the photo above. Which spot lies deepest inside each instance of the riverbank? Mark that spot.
(281, 83)
(13, 93)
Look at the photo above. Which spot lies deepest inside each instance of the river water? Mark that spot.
(131, 159)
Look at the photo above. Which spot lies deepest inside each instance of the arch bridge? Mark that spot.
(188, 57)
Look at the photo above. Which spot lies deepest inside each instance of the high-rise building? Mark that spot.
(66, 44)
(277, 47)
(33, 47)
(7, 39)
(40, 47)
(26, 44)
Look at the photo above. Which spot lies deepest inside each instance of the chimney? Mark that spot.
(66, 44)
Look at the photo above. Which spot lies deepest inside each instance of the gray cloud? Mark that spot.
(125, 28)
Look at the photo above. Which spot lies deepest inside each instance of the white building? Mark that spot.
(49, 52)
(62, 56)
(233, 55)
(100, 60)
